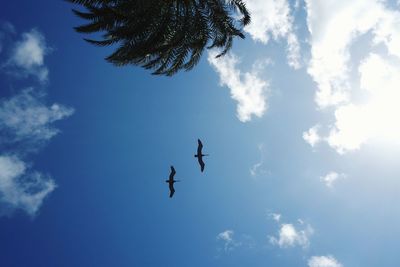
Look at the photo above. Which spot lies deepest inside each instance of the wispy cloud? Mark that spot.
(331, 178)
(26, 123)
(231, 242)
(257, 169)
(20, 188)
(323, 261)
(28, 54)
(227, 237)
(273, 19)
(248, 89)
(26, 116)
(290, 235)
(6, 29)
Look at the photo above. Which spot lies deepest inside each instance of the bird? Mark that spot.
(171, 181)
(200, 155)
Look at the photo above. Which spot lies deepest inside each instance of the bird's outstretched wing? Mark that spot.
(171, 189)
(200, 147)
(172, 174)
(201, 162)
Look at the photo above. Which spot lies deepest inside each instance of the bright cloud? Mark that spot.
(20, 189)
(28, 55)
(246, 88)
(378, 117)
(328, 22)
(331, 178)
(273, 19)
(289, 236)
(27, 117)
(323, 261)
(331, 68)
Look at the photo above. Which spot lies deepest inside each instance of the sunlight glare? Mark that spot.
(378, 118)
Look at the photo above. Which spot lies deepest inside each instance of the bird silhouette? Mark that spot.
(200, 155)
(171, 182)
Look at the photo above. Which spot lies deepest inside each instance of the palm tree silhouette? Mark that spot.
(163, 35)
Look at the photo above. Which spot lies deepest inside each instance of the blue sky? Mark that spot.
(300, 120)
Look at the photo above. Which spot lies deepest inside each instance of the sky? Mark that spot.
(300, 120)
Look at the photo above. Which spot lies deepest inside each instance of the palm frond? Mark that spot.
(165, 36)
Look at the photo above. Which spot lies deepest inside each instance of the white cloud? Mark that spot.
(226, 235)
(312, 136)
(323, 261)
(28, 55)
(331, 178)
(26, 122)
(334, 27)
(246, 88)
(272, 19)
(289, 236)
(22, 190)
(269, 20)
(27, 117)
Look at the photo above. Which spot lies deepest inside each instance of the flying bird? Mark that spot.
(200, 155)
(171, 182)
